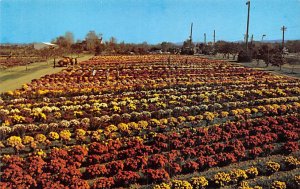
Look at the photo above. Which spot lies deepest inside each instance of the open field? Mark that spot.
(15, 77)
(152, 121)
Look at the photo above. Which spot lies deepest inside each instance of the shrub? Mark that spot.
(97, 170)
(181, 184)
(124, 178)
(162, 186)
(252, 172)
(237, 175)
(278, 185)
(291, 162)
(272, 166)
(290, 147)
(199, 182)
(221, 179)
(104, 183)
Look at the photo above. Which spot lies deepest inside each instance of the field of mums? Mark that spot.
(152, 121)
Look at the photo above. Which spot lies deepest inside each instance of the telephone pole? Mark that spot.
(251, 39)
(214, 37)
(283, 29)
(204, 38)
(191, 34)
(248, 18)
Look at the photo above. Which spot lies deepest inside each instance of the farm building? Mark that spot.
(42, 45)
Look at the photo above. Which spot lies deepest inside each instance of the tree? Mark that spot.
(277, 58)
(111, 45)
(264, 54)
(69, 37)
(65, 41)
(167, 46)
(92, 40)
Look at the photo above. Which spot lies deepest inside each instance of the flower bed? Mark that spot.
(116, 121)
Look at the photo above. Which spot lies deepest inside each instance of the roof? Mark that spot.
(43, 45)
(47, 43)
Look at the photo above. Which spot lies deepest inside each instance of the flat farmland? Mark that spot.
(152, 121)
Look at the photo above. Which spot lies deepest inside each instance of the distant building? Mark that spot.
(43, 45)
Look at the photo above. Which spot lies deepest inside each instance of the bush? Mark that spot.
(244, 57)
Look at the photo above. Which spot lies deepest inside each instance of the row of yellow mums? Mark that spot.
(234, 176)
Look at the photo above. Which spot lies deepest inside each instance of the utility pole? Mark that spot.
(248, 18)
(251, 39)
(214, 37)
(204, 38)
(191, 35)
(283, 29)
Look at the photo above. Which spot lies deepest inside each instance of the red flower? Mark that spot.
(97, 148)
(156, 175)
(104, 183)
(124, 178)
(114, 167)
(190, 167)
(157, 161)
(290, 147)
(97, 170)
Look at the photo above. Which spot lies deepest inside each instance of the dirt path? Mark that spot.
(14, 78)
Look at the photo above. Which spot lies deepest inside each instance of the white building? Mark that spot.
(42, 45)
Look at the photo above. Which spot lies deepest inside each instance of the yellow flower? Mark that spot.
(17, 119)
(163, 121)
(209, 116)
(54, 135)
(133, 125)
(116, 109)
(27, 139)
(80, 134)
(238, 174)
(57, 115)
(191, 118)
(180, 184)
(222, 178)
(247, 111)
(65, 135)
(224, 114)
(199, 182)
(154, 122)
(40, 153)
(123, 127)
(143, 124)
(244, 185)
(291, 161)
(132, 107)
(111, 128)
(162, 186)
(272, 166)
(252, 171)
(14, 141)
(181, 119)
(40, 138)
(278, 185)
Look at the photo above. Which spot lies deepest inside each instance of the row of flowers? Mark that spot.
(254, 135)
(135, 155)
(105, 124)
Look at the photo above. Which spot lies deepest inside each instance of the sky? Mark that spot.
(153, 21)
